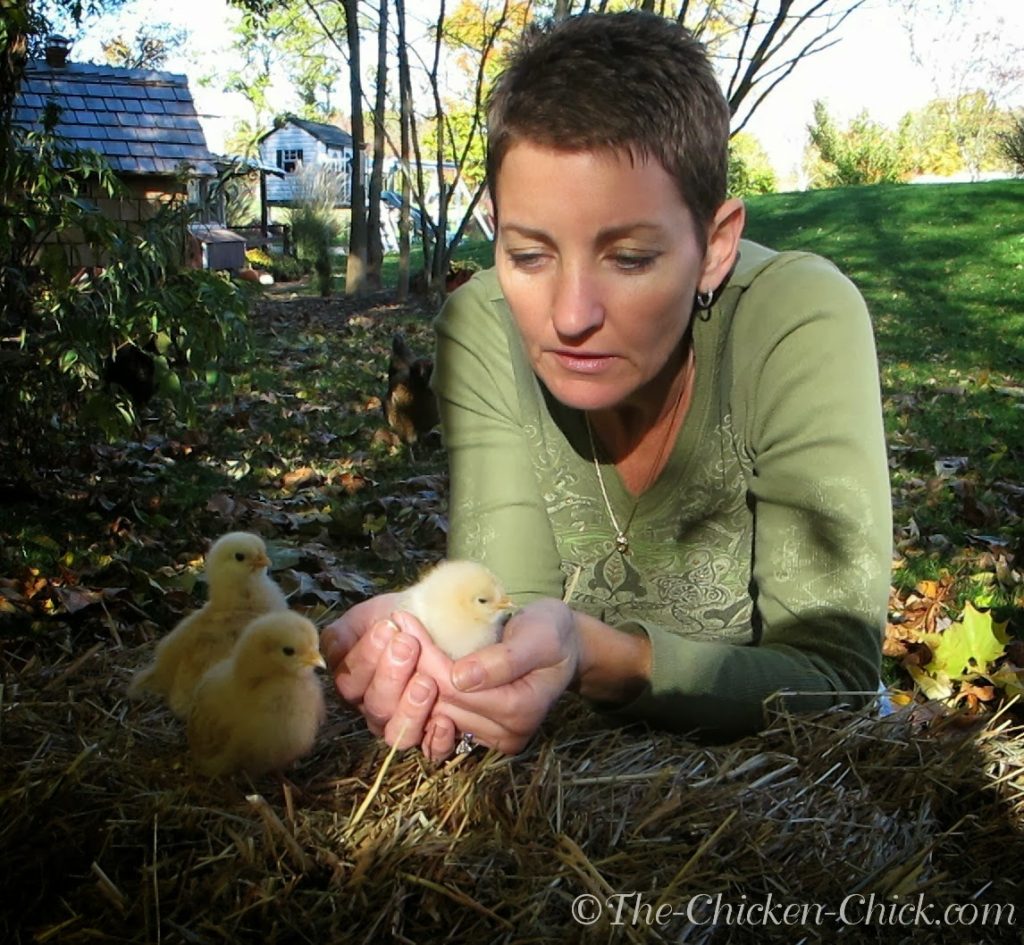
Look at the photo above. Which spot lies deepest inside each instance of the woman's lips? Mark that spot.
(583, 362)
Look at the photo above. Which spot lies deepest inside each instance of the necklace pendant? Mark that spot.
(621, 544)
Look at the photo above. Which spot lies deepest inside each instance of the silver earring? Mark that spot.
(704, 299)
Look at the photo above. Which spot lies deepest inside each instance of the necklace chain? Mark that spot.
(621, 541)
(621, 538)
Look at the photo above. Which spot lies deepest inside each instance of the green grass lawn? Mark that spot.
(942, 269)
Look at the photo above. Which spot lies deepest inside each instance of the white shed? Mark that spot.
(299, 147)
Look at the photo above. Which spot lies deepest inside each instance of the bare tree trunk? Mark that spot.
(405, 109)
(490, 39)
(437, 269)
(356, 270)
(375, 249)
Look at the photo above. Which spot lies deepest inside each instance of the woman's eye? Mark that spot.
(526, 261)
(634, 262)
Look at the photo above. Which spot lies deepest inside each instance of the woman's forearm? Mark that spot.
(614, 666)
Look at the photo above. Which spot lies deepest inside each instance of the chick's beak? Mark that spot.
(260, 561)
(316, 659)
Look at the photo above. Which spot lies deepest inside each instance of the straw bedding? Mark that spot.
(108, 836)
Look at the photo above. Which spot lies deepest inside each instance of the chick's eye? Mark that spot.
(288, 650)
(239, 556)
(481, 600)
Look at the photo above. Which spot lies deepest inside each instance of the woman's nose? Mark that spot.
(578, 308)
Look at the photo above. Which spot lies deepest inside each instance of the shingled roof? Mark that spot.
(331, 135)
(142, 122)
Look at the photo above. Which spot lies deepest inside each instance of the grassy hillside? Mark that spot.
(942, 269)
(942, 266)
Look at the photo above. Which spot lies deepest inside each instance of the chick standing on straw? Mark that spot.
(239, 591)
(259, 710)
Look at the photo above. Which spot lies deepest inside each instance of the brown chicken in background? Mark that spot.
(409, 405)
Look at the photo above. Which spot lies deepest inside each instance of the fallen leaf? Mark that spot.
(936, 686)
(75, 599)
(221, 503)
(973, 695)
(970, 644)
(297, 478)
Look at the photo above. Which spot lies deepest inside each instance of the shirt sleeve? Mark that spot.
(806, 396)
(496, 512)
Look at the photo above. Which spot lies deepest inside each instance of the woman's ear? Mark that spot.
(723, 243)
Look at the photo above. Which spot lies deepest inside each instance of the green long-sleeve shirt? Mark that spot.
(759, 559)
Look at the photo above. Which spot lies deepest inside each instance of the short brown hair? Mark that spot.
(622, 81)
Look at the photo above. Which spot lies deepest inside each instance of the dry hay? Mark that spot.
(107, 836)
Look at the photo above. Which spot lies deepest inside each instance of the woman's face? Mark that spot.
(599, 261)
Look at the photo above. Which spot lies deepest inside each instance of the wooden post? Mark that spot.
(263, 204)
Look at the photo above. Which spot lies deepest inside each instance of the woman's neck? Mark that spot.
(637, 435)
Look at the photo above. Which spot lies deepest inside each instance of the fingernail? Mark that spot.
(383, 632)
(468, 677)
(402, 649)
(419, 692)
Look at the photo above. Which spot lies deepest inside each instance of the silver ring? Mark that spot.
(466, 744)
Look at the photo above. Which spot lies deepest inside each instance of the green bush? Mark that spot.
(286, 268)
(1011, 143)
(67, 325)
(864, 153)
(314, 221)
(750, 170)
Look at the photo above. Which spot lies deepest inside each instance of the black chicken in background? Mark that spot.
(134, 370)
(409, 405)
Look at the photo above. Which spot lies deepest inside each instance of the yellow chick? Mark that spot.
(239, 590)
(462, 605)
(259, 710)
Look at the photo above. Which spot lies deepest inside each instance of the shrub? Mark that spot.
(314, 222)
(1011, 143)
(286, 268)
(258, 258)
(750, 170)
(864, 153)
(69, 326)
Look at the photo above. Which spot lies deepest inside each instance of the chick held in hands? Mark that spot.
(239, 590)
(462, 605)
(260, 709)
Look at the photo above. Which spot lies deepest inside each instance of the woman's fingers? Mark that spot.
(336, 639)
(355, 670)
(392, 673)
(406, 726)
(533, 640)
(439, 738)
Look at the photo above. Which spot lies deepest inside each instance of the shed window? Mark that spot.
(289, 159)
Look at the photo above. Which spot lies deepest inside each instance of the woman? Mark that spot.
(680, 429)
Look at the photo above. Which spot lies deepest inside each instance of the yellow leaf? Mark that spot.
(967, 646)
(1009, 679)
(938, 686)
